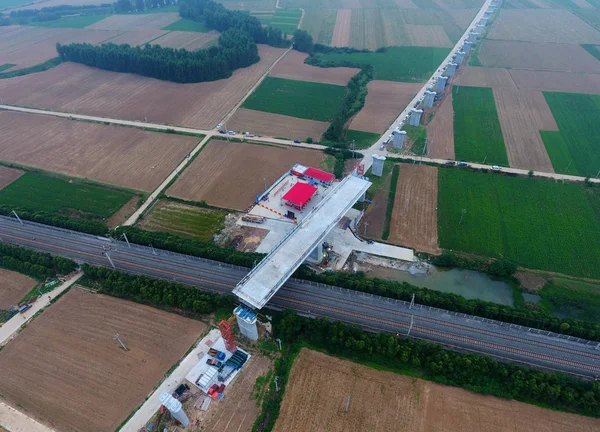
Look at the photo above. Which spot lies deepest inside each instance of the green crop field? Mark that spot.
(38, 192)
(577, 118)
(70, 22)
(592, 49)
(285, 20)
(184, 220)
(572, 298)
(6, 66)
(362, 140)
(477, 132)
(558, 152)
(187, 25)
(536, 223)
(407, 64)
(320, 24)
(302, 99)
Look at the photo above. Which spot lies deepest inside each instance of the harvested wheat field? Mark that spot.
(85, 90)
(8, 175)
(485, 77)
(556, 81)
(385, 100)
(230, 174)
(136, 37)
(292, 67)
(66, 370)
(543, 25)
(522, 115)
(190, 41)
(13, 287)
(462, 17)
(538, 56)
(440, 130)
(28, 46)
(341, 31)
(425, 35)
(122, 156)
(319, 385)
(154, 21)
(276, 125)
(414, 218)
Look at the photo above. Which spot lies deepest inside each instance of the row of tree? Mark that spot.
(124, 6)
(82, 225)
(156, 292)
(217, 17)
(473, 372)
(235, 50)
(35, 264)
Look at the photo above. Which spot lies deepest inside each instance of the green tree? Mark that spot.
(303, 41)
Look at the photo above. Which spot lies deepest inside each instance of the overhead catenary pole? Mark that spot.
(110, 260)
(279, 342)
(462, 213)
(153, 251)
(411, 325)
(17, 216)
(412, 302)
(126, 240)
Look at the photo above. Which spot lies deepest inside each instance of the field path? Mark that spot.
(15, 421)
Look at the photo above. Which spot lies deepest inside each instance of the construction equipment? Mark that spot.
(254, 219)
(216, 353)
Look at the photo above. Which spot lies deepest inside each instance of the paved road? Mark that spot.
(375, 313)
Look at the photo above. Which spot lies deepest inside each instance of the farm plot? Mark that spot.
(13, 287)
(28, 46)
(154, 21)
(543, 25)
(485, 77)
(366, 29)
(285, 20)
(577, 118)
(385, 101)
(522, 115)
(136, 37)
(73, 87)
(477, 131)
(275, 125)
(414, 217)
(341, 31)
(308, 100)
(440, 131)
(190, 41)
(538, 56)
(187, 25)
(521, 219)
(320, 385)
(320, 23)
(184, 220)
(8, 175)
(292, 67)
(230, 174)
(110, 154)
(66, 370)
(555, 81)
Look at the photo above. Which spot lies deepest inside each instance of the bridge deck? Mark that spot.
(267, 277)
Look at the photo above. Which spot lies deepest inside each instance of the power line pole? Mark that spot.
(412, 302)
(126, 240)
(153, 251)
(462, 213)
(17, 216)
(110, 260)
(116, 337)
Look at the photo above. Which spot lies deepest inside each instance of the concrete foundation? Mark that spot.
(415, 116)
(316, 256)
(399, 136)
(451, 69)
(429, 98)
(440, 84)
(377, 168)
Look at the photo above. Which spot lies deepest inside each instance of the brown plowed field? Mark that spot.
(123, 156)
(341, 31)
(414, 218)
(543, 25)
(28, 46)
(85, 90)
(66, 370)
(319, 385)
(385, 101)
(440, 131)
(8, 175)
(485, 77)
(136, 37)
(13, 287)
(426, 36)
(373, 222)
(134, 22)
(520, 113)
(538, 56)
(556, 81)
(230, 174)
(191, 41)
(275, 125)
(462, 17)
(292, 67)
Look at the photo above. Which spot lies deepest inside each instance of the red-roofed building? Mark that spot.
(299, 195)
(319, 176)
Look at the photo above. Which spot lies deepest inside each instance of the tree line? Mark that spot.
(124, 6)
(53, 13)
(476, 373)
(235, 50)
(217, 17)
(82, 225)
(142, 289)
(35, 264)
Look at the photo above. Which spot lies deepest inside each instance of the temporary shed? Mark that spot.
(299, 195)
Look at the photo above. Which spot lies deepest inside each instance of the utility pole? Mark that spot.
(153, 251)
(276, 384)
(110, 260)
(347, 403)
(365, 224)
(116, 337)
(411, 325)
(567, 168)
(126, 240)
(462, 213)
(279, 342)
(412, 302)
(17, 216)
(484, 159)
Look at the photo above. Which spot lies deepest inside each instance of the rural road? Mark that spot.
(15, 421)
(502, 340)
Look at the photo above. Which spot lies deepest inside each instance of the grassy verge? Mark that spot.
(6, 66)
(362, 140)
(417, 135)
(592, 49)
(187, 25)
(536, 223)
(571, 298)
(378, 182)
(477, 132)
(49, 64)
(302, 99)
(391, 201)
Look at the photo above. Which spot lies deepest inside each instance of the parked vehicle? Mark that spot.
(24, 308)
(214, 362)
(231, 132)
(297, 141)
(450, 163)
(222, 131)
(249, 134)
(216, 353)
(496, 168)
(462, 164)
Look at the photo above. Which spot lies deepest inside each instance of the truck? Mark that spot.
(248, 134)
(216, 353)
(254, 219)
(214, 362)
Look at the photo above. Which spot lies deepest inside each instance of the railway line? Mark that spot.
(370, 312)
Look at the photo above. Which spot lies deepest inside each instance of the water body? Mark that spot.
(467, 283)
